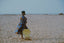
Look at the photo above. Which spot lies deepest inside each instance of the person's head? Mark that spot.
(23, 13)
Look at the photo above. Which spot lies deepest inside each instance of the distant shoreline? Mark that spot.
(26, 14)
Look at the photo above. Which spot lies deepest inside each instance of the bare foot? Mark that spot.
(22, 38)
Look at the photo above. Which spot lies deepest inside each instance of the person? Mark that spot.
(22, 25)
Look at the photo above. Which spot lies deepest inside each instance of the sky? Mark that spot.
(31, 6)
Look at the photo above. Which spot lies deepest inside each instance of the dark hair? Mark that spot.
(23, 11)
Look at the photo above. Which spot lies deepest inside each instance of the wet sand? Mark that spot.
(44, 28)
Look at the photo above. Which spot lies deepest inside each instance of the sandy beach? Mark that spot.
(44, 28)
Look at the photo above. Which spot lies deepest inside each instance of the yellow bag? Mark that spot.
(26, 33)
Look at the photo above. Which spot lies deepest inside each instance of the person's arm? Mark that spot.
(21, 19)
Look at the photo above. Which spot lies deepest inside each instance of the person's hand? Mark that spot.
(16, 32)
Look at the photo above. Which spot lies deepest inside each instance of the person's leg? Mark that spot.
(22, 34)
